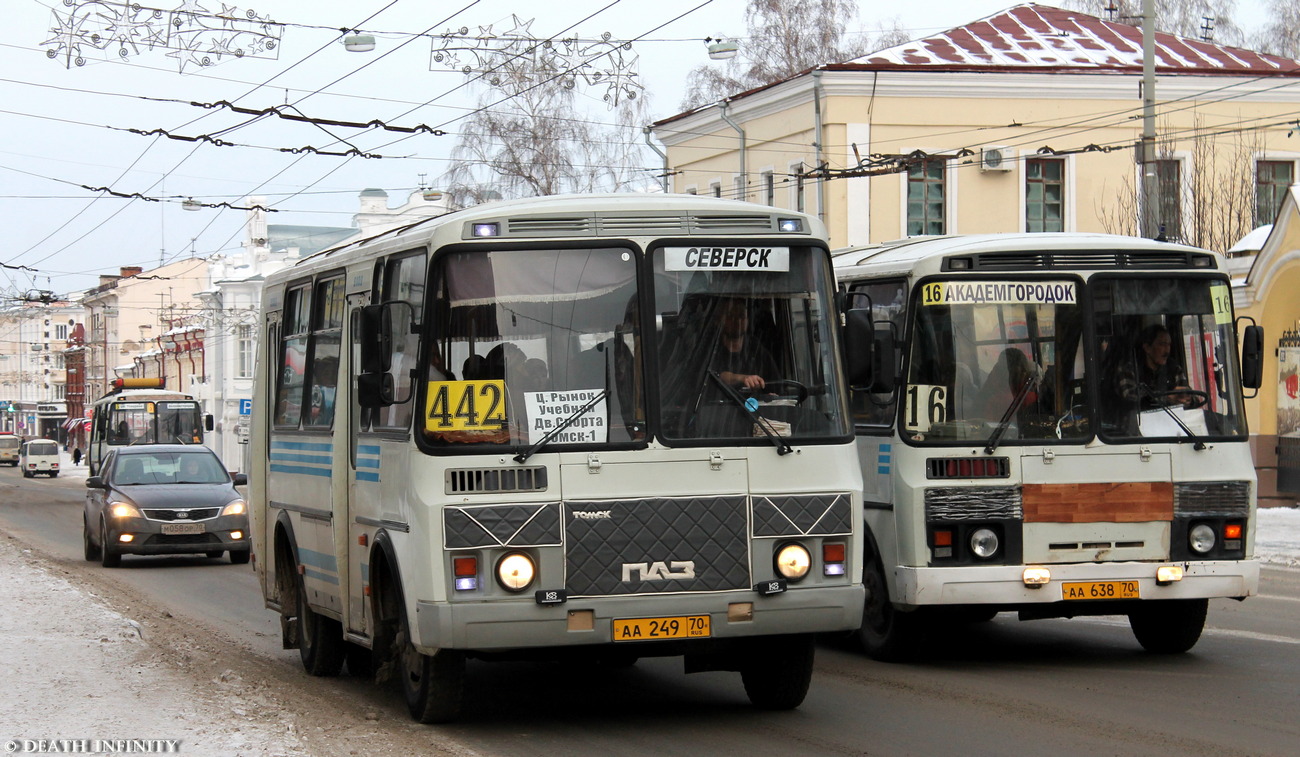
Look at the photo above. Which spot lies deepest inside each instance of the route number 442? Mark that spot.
(465, 405)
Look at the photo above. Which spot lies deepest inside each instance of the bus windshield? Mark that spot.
(155, 422)
(745, 344)
(534, 345)
(1009, 360)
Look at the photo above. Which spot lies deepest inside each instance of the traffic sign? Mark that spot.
(245, 407)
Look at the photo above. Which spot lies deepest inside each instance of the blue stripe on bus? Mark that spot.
(282, 457)
(367, 462)
(302, 469)
(322, 560)
(368, 449)
(363, 476)
(883, 459)
(309, 573)
(308, 446)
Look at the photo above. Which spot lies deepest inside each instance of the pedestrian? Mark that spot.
(76, 456)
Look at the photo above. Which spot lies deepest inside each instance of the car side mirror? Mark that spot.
(96, 482)
(239, 479)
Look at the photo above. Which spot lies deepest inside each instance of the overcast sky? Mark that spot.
(55, 116)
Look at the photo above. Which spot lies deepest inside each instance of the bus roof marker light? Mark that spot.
(1036, 578)
(487, 230)
(1168, 574)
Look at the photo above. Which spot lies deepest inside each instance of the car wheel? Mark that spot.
(107, 557)
(54, 474)
(1169, 626)
(216, 553)
(91, 550)
(320, 640)
(239, 556)
(780, 670)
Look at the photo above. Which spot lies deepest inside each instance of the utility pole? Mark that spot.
(1150, 223)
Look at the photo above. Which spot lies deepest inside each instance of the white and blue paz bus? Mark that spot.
(1053, 426)
(603, 426)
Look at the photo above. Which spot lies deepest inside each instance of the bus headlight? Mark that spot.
(793, 561)
(1201, 538)
(515, 571)
(984, 543)
(235, 508)
(124, 510)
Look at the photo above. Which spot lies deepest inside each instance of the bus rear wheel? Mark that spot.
(886, 634)
(1169, 626)
(433, 685)
(780, 672)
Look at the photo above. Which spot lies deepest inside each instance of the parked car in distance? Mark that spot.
(164, 499)
(39, 456)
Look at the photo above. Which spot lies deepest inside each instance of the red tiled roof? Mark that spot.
(1040, 37)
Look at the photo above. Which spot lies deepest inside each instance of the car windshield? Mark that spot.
(168, 468)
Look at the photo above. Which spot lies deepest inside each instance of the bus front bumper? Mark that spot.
(1005, 585)
(590, 621)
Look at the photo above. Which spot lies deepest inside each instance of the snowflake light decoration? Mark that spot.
(192, 34)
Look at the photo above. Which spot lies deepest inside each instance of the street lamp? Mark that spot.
(721, 49)
(359, 43)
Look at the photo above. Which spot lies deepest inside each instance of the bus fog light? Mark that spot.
(515, 571)
(984, 543)
(1201, 538)
(793, 561)
(466, 584)
(1167, 574)
(1036, 578)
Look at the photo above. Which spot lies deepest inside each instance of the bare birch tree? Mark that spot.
(530, 135)
(1281, 35)
(1186, 18)
(784, 38)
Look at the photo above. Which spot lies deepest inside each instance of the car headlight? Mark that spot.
(515, 571)
(1201, 538)
(124, 510)
(793, 561)
(238, 507)
(984, 543)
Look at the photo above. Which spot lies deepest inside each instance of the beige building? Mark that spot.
(1023, 121)
(128, 313)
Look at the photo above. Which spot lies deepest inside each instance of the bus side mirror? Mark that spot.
(208, 422)
(373, 352)
(885, 355)
(1252, 357)
(859, 347)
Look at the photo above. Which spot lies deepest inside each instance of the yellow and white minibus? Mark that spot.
(1052, 426)
(607, 426)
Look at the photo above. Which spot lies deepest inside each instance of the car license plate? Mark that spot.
(652, 629)
(1100, 590)
(177, 529)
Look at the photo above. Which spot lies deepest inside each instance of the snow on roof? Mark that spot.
(1040, 36)
(1253, 241)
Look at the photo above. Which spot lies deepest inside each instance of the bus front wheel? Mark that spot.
(886, 634)
(1169, 626)
(320, 640)
(433, 684)
(778, 674)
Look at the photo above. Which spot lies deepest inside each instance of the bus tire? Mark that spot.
(433, 685)
(89, 548)
(360, 660)
(1169, 626)
(107, 557)
(781, 670)
(320, 640)
(886, 634)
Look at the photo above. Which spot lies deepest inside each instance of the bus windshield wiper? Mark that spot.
(1012, 409)
(1197, 444)
(782, 447)
(568, 420)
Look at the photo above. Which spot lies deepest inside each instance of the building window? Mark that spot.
(769, 188)
(1272, 177)
(1045, 194)
(800, 188)
(740, 193)
(61, 332)
(1169, 179)
(925, 197)
(245, 349)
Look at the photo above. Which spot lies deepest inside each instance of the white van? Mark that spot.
(39, 456)
(9, 445)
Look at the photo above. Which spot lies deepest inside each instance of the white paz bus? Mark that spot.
(606, 426)
(1053, 426)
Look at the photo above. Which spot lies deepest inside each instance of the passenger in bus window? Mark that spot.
(1151, 377)
(1008, 377)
